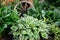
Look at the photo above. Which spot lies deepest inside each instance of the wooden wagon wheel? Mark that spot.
(23, 6)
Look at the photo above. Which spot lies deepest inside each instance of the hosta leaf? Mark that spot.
(21, 26)
(31, 38)
(14, 28)
(44, 35)
(26, 37)
(24, 32)
(30, 34)
(16, 33)
(36, 34)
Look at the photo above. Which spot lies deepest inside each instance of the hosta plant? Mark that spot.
(28, 28)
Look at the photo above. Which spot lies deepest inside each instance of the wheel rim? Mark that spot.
(22, 6)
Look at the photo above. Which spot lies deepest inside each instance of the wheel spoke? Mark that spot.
(18, 9)
(25, 5)
(21, 6)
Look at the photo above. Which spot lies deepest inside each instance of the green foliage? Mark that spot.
(54, 2)
(29, 28)
(34, 22)
(51, 16)
(7, 17)
(47, 12)
(56, 31)
(36, 10)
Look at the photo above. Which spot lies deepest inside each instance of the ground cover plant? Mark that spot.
(29, 29)
(41, 22)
